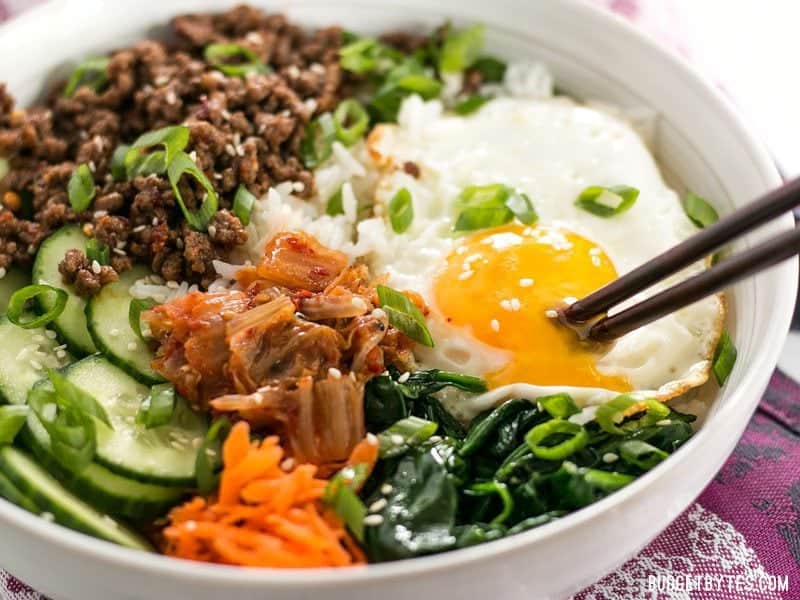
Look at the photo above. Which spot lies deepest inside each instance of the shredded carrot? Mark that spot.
(264, 515)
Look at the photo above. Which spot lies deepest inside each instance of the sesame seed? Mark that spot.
(212, 231)
(161, 80)
(61, 354)
(335, 373)
(494, 324)
(210, 452)
(465, 275)
(48, 516)
(171, 97)
(397, 439)
(298, 186)
(193, 155)
(239, 150)
(114, 332)
(317, 68)
(610, 457)
(99, 214)
(664, 422)
(92, 166)
(225, 114)
(119, 252)
(36, 364)
(2, 272)
(311, 105)
(435, 439)
(154, 222)
(230, 149)
(373, 520)
(404, 377)
(293, 71)
(50, 334)
(254, 38)
(378, 505)
(258, 398)
(359, 303)
(526, 282)
(570, 300)
(505, 304)
(386, 489)
(372, 439)
(515, 304)
(288, 464)
(550, 313)
(197, 442)
(379, 313)
(61, 347)
(131, 346)
(139, 228)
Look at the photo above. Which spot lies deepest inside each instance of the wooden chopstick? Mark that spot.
(673, 260)
(723, 274)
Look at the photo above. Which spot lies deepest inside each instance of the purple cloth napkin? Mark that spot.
(741, 537)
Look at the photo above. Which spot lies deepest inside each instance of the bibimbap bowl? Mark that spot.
(700, 144)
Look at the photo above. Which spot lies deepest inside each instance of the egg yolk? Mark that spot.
(501, 283)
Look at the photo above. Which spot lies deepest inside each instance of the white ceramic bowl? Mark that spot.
(700, 141)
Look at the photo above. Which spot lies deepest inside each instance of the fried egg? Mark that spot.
(491, 292)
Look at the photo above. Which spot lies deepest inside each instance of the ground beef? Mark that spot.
(86, 276)
(243, 131)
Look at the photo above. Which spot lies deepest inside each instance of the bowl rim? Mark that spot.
(732, 416)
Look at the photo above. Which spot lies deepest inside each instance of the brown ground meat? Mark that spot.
(87, 276)
(243, 131)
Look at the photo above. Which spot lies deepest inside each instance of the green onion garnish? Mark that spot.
(484, 206)
(367, 55)
(427, 87)
(607, 201)
(158, 407)
(404, 434)
(488, 488)
(208, 462)
(607, 481)
(401, 211)
(80, 188)
(470, 105)
(404, 315)
(12, 418)
(97, 250)
(559, 406)
(335, 205)
(135, 310)
(724, 358)
(92, 72)
(234, 60)
(641, 454)
(461, 49)
(491, 69)
(182, 165)
(19, 299)
(699, 211)
(138, 161)
(340, 496)
(611, 414)
(578, 438)
(118, 170)
(243, 203)
(351, 121)
(317, 145)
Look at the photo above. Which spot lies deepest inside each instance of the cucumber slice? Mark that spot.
(67, 510)
(165, 454)
(107, 318)
(105, 490)
(13, 280)
(10, 492)
(24, 356)
(70, 324)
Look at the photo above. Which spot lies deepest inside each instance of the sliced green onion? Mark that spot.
(491, 69)
(72, 432)
(367, 55)
(19, 299)
(485, 206)
(488, 488)
(139, 162)
(340, 496)
(404, 434)
(351, 121)
(559, 406)
(92, 72)
(80, 188)
(427, 87)
(224, 56)
(118, 170)
(317, 145)
(401, 211)
(404, 315)
(641, 454)
(607, 201)
(608, 481)
(71, 395)
(335, 206)
(182, 165)
(522, 207)
(724, 358)
(12, 418)
(208, 462)
(157, 409)
(461, 49)
(471, 104)
(243, 203)
(135, 310)
(577, 440)
(97, 250)
(611, 414)
(699, 211)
